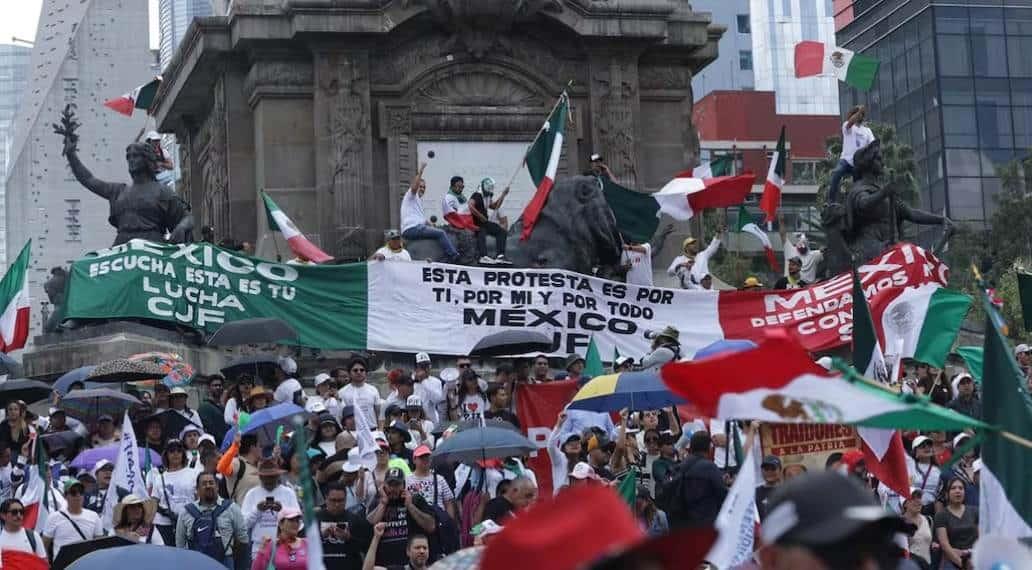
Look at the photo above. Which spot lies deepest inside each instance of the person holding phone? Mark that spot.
(345, 535)
(262, 504)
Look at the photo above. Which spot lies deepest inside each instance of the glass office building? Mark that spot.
(174, 17)
(956, 81)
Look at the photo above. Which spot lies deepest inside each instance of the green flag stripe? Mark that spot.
(946, 312)
(635, 212)
(1025, 295)
(862, 71)
(14, 279)
(865, 339)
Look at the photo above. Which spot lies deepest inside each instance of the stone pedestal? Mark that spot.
(321, 103)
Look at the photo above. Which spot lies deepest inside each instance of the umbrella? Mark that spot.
(79, 374)
(125, 370)
(261, 365)
(88, 405)
(172, 423)
(76, 550)
(252, 331)
(177, 372)
(265, 421)
(10, 366)
(465, 559)
(517, 341)
(88, 458)
(723, 346)
(61, 440)
(463, 425)
(22, 389)
(488, 442)
(631, 390)
(147, 556)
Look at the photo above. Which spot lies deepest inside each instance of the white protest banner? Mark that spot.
(127, 478)
(737, 518)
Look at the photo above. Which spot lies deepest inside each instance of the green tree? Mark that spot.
(898, 159)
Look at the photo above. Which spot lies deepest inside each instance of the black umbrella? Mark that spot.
(62, 440)
(261, 365)
(463, 425)
(172, 423)
(512, 342)
(76, 550)
(24, 390)
(125, 370)
(252, 331)
(483, 443)
(88, 405)
(10, 366)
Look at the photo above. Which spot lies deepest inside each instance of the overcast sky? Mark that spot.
(20, 18)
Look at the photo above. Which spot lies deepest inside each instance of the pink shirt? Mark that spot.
(286, 558)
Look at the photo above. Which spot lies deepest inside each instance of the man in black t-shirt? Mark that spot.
(345, 535)
(403, 514)
(498, 396)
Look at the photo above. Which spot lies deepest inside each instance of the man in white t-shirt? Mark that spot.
(637, 259)
(455, 206)
(72, 524)
(363, 397)
(287, 387)
(262, 503)
(855, 136)
(414, 224)
(429, 388)
(809, 259)
(393, 251)
(15, 536)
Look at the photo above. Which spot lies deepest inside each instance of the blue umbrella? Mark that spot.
(724, 346)
(483, 443)
(147, 556)
(265, 421)
(631, 390)
(68, 378)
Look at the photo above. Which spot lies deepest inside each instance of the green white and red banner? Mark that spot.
(447, 309)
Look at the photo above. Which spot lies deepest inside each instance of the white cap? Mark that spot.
(287, 364)
(189, 428)
(100, 465)
(422, 358)
(314, 406)
(209, 438)
(919, 440)
(960, 437)
(153, 136)
(350, 466)
(583, 471)
(1020, 349)
(414, 401)
(621, 360)
(321, 378)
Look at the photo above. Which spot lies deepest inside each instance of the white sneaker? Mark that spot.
(502, 260)
(487, 260)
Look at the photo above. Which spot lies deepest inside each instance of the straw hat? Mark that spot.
(150, 506)
(259, 391)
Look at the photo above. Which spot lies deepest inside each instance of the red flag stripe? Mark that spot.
(722, 192)
(533, 209)
(772, 260)
(892, 468)
(123, 105)
(809, 58)
(461, 221)
(771, 199)
(21, 331)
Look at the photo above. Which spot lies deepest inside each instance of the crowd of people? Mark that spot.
(242, 505)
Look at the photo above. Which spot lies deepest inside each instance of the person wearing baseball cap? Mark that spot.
(325, 395)
(924, 473)
(770, 468)
(432, 486)
(420, 428)
(178, 400)
(752, 283)
(966, 400)
(430, 389)
(393, 250)
(623, 364)
(106, 433)
(824, 521)
(101, 474)
(409, 515)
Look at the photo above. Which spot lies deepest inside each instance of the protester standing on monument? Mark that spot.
(494, 206)
(414, 223)
(855, 136)
(288, 389)
(809, 259)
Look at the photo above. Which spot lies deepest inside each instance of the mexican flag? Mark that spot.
(883, 448)
(297, 241)
(638, 213)
(771, 200)
(777, 382)
(543, 161)
(746, 225)
(922, 322)
(1005, 496)
(14, 295)
(719, 166)
(37, 495)
(140, 98)
(816, 58)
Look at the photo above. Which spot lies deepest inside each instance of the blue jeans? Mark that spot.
(843, 168)
(428, 232)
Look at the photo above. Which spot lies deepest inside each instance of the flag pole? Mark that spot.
(519, 167)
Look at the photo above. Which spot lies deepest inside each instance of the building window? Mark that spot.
(743, 24)
(745, 60)
(804, 171)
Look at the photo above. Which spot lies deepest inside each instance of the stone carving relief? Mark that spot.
(348, 121)
(278, 76)
(213, 160)
(184, 186)
(614, 90)
(480, 26)
(485, 86)
(665, 77)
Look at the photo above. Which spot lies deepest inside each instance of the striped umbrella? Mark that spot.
(177, 372)
(631, 390)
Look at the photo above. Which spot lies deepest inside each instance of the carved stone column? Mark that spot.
(343, 150)
(615, 109)
(213, 198)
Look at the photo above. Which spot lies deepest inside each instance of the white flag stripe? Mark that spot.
(877, 439)
(736, 521)
(286, 227)
(996, 514)
(364, 435)
(841, 69)
(683, 186)
(807, 399)
(9, 318)
(127, 474)
(553, 159)
(754, 230)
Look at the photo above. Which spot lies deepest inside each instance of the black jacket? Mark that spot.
(694, 494)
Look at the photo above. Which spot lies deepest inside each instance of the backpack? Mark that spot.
(204, 534)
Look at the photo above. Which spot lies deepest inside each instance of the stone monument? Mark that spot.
(321, 103)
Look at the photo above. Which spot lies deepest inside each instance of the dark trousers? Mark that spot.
(843, 168)
(497, 232)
